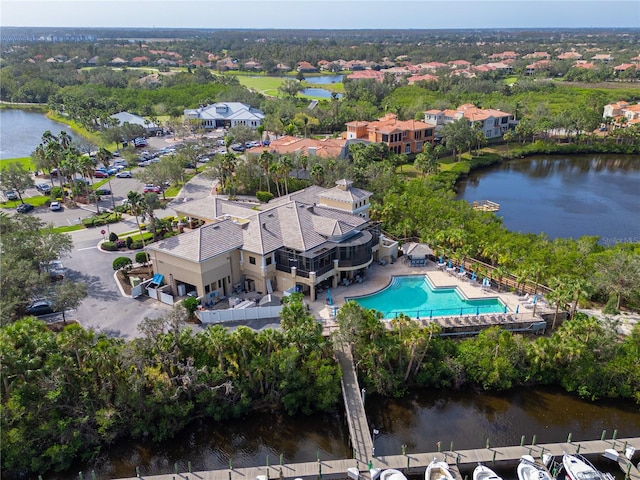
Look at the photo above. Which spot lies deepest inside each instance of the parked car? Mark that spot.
(43, 188)
(103, 191)
(100, 174)
(11, 195)
(25, 208)
(124, 174)
(152, 189)
(144, 163)
(55, 206)
(40, 307)
(238, 148)
(55, 269)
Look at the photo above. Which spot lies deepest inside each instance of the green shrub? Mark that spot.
(109, 246)
(129, 241)
(113, 236)
(142, 257)
(56, 192)
(122, 263)
(88, 222)
(136, 245)
(190, 304)
(264, 196)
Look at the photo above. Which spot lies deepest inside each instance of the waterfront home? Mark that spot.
(400, 136)
(493, 123)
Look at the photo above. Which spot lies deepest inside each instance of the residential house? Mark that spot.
(537, 67)
(493, 123)
(289, 145)
(365, 74)
(584, 64)
(459, 64)
(401, 136)
(226, 115)
(306, 67)
(314, 238)
(422, 78)
(570, 56)
(602, 57)
(253, 65)
(623, 67)
(507, 55)
(623, 113)
(118, 61)
(538, 55)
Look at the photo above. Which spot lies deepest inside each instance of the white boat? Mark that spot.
(392, 474)
(482, 472)
(438, 471)
(529, 470)
(577, 467)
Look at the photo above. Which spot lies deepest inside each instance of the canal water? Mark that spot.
(21, 132)
(420, 421)
(564, 196)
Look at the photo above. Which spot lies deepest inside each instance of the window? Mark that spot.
(428, 132)
(407, 148)
(207, 288)
(252, 260)
(404, 134)
(385, 137)
(219, 283)
(268, 260)
(418, 146)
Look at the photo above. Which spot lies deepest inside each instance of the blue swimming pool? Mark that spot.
(417, 298)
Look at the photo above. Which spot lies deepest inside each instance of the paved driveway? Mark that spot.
(106, 309)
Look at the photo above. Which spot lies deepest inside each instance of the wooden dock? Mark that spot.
(486, 206)
(411, 463)
(359, 432)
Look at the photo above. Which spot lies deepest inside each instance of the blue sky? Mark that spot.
(323, 14)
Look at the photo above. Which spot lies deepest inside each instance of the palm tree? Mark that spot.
(266, 159)
(136, 201)
(284, 166)
(104, 157)
(317, 173)
(275, 172)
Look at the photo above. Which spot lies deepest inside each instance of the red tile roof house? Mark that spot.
(570, 56)
(306, 67)
(365, 74)
(140, 60)
(536, 67)
(504, 56)
(493, 122)
(624, 67)
(422, 78)
(459, 64)
(287, 144)
(542, 55)
(408, 136)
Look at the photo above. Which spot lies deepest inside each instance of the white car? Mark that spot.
(55, 206)
(124, 174)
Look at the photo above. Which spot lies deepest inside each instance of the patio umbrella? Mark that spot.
(329, 299)
(441, 259)
(473, 277)
(517, 309)
(461, 268)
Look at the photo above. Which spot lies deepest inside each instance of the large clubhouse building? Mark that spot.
(225, 115)
(401, 136)
(311, 239)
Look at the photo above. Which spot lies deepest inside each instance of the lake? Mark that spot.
(563, 196)
(419, 420)
(21, 132)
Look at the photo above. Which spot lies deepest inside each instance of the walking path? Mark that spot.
(353, 402)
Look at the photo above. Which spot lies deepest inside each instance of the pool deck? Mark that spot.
(378, 276)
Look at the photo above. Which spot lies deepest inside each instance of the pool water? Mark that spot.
(416, 297)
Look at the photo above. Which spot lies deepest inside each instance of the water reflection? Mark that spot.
(563, 196)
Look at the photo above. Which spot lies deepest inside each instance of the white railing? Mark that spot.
(234, 314)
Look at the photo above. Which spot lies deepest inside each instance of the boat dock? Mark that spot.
(486, 206)
(353, 396)
(410, 463)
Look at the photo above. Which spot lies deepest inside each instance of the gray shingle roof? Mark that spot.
(203, 243)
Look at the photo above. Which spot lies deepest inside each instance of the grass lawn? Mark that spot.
(26, 163)
(67, 228)
(35, 201)
(264, 85)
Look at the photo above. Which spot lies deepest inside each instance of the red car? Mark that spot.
(151, 189)
(100, 174)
